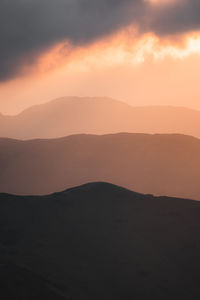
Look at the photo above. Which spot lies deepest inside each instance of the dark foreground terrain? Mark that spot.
(21, 284)
(99, 241)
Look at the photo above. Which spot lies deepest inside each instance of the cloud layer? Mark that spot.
(29, 27)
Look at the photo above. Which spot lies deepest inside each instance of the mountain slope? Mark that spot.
(156, 164)
(18, 283)
(73, 115)
(100, 241)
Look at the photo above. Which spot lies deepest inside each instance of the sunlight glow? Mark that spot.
(124, 48)
(163, 2)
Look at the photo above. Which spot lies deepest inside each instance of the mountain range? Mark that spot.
(156, 164)
(99, 241)
(73, 115)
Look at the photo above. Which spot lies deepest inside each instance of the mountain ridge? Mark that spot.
(67, 116)
(100, 241)
(140, 162)
(65, 99)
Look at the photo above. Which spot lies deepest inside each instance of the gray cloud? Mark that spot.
(28, 27)
(183, 16)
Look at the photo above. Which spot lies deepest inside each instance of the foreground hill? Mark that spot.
(73, 115)
(156, 164)
(20, 283)
(100, 241)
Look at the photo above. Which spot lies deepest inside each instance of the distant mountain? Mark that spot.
(73, 115)
(100, 241)
(156, 164)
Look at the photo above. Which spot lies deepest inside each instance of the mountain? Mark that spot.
(99, 241)
(156, 164)
(73, 115)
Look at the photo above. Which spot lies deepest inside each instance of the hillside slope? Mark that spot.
(73, 115)
(156, 164)
(21, 284)
(100, 241)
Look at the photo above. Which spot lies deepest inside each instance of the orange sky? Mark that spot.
(139, 70)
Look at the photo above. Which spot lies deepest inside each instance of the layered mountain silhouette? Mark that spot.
(155, 164)
(100, 241)
(73, 115)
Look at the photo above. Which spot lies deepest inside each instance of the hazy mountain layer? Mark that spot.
(156, 164)
(100, 241)
(73, 115)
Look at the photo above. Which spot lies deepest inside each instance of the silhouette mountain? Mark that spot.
(156, 164)
(100, 241)
(73, 115)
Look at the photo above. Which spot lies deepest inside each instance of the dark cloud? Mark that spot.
(183, 16)
(28, 27)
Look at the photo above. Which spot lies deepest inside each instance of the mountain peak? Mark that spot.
(97, 115)
(100, 242)
(98, 186)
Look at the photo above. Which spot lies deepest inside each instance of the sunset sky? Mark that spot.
(140, 51)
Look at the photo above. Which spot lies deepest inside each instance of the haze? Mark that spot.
(99, 149)
(133, 58)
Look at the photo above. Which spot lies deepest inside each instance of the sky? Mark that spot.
(143, 52)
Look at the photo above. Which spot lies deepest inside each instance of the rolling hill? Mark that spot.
(73, 115)
(99, 241)
(155, 164)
